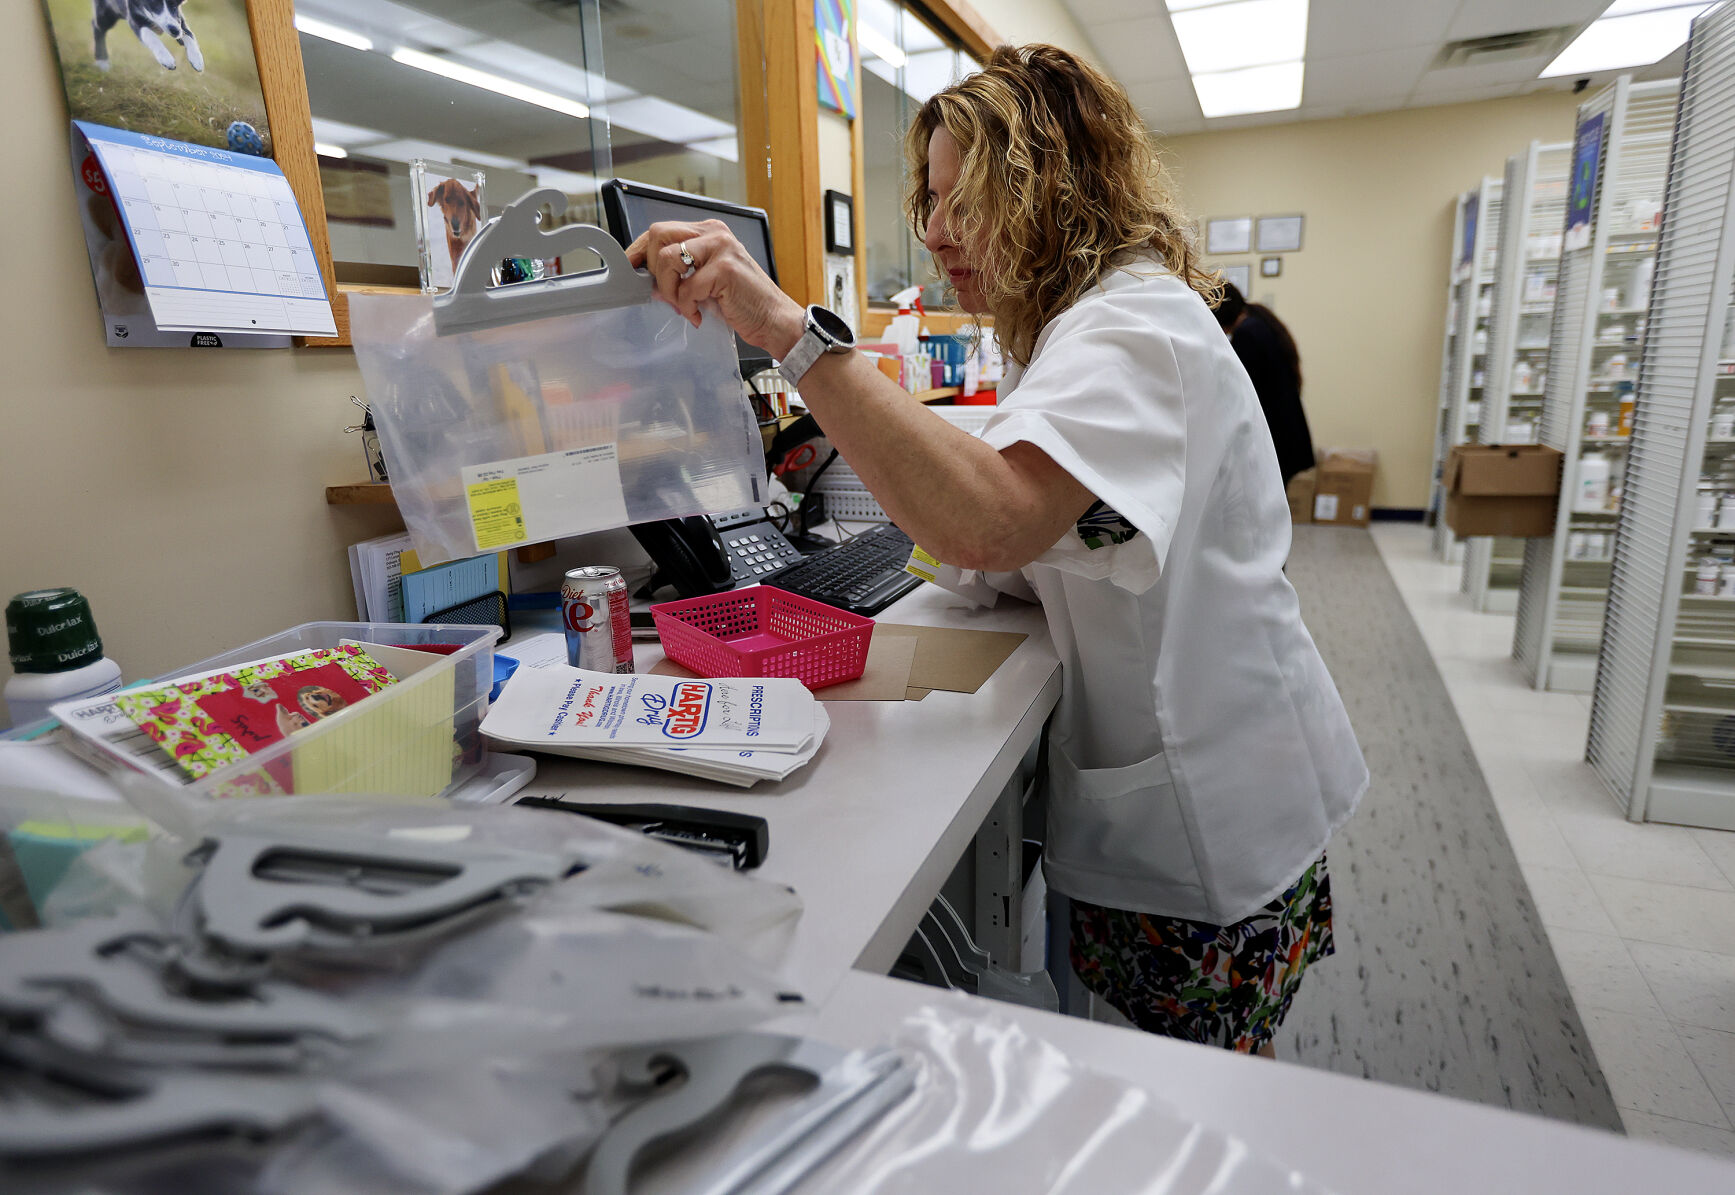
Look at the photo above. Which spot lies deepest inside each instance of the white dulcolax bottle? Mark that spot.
(56, 653)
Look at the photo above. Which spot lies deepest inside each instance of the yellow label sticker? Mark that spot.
(496, 514)
(923, 565)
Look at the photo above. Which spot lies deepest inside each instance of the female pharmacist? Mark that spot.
(1200, 757)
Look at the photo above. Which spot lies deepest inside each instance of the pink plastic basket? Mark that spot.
(764, 631)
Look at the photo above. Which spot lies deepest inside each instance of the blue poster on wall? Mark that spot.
(1467, 250)
(1586, 155)
(832, 22)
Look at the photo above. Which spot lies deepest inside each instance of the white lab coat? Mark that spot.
(1200, 757)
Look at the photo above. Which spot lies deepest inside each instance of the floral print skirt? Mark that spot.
(1219, 985)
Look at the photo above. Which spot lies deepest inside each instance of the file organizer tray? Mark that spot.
(529, 412)
(418, 737)
(765, 631)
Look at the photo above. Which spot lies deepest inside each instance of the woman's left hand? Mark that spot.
(723, 272)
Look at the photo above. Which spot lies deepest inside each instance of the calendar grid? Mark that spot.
(220, 241)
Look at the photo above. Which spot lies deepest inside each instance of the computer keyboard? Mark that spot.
(863, 575)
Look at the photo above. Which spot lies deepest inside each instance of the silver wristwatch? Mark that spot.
(826, 333)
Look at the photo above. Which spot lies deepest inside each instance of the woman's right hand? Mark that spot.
(723, 272)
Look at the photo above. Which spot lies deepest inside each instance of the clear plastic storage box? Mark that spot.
(418, 737)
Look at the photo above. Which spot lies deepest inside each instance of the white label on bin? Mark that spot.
(1324, 508)
(537, 498)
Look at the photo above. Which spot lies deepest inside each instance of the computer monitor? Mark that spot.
(631, 207)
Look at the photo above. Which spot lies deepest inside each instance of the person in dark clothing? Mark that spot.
(1268, 354)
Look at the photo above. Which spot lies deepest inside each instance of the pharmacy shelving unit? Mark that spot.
(1525, 275)
(1662, 728)
(1462, 366)
(1448, 358)
(1608, 250)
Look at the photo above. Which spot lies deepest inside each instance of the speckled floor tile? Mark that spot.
(1444, 978)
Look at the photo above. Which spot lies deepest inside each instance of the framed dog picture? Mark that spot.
(181, 69)
(448, 206)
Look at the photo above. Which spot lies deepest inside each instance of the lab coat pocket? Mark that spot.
(1123, 821)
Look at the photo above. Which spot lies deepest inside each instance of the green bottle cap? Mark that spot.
(51, 630)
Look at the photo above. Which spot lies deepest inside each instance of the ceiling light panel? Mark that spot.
(335, 132)
(879, 45)
(326, 31)
(451, 69)
(657, 117)
(1226, 37)
(1614, 43)
(1621, 8)
(727, 149)
(1274, 88)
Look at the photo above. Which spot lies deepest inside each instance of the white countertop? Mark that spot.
(1351, 1135)
(869, 830)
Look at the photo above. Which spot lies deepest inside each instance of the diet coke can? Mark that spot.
(593, 611)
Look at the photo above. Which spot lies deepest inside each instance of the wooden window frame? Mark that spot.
(977, 38)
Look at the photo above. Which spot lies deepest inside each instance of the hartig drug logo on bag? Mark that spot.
(683, 714)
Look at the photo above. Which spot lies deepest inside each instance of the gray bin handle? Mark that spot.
(473, 304)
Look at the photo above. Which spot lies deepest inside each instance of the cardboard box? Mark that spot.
(1301, 496)
(1502, 489)
(1343, 488)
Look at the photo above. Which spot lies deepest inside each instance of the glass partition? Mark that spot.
(904, 61)
(560, 93)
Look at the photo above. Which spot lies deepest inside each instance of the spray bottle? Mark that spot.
(906, 327)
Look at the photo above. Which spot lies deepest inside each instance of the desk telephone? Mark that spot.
(700, 555)
(863, 575)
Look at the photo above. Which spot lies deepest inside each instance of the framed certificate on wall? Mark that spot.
(1279, 234)
(1233, 234)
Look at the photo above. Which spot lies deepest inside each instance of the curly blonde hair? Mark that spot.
(1058, 178)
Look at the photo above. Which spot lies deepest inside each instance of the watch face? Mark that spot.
(832, 326)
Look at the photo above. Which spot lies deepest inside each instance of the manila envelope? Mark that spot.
(952, 658)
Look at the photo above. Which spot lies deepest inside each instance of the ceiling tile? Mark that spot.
(1180, 128)
(1253, 119)
(1467, 96)
(1139, 50)
(1336, 28)
(1164, 102)
(1484, 18)
(1456, 79)
(1354, 78)
(1092, 12)
(1366, 106)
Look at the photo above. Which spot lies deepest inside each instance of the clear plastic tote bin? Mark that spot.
(420, 736)
(517, 414)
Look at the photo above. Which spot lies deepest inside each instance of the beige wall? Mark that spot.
(182, 490)
(1366, 296)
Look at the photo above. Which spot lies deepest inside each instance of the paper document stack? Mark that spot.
(736, 730)
(376, 568)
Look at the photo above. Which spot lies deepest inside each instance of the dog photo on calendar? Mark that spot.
(181, 69)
